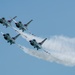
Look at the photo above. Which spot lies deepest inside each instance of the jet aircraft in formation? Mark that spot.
(10, 39)
(37, 45)
(5, 22)
(22, 27)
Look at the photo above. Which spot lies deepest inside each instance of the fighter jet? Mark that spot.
(10, 39)
(22, 26)
(5, 22)
(37, 45)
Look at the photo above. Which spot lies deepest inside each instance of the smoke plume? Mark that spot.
(60, 49)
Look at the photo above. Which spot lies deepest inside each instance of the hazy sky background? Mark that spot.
(50, 18)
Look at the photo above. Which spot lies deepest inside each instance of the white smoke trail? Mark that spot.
(62, 49)
(39, 54)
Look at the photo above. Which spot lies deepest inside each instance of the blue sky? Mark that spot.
(50, 17)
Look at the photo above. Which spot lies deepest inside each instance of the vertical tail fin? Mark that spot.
(12, 19)
(28, 23)
(43, 41)
(16, 37)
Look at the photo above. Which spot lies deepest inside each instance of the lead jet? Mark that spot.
(37, 45)
(5, 22)
(10, 39)
(22, 26)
